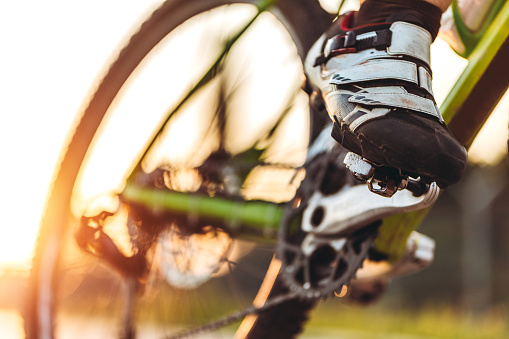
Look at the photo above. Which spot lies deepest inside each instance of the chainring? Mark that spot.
(315, 265)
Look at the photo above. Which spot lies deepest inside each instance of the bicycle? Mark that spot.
(149, 199)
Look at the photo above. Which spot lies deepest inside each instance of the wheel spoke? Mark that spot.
(91, 283)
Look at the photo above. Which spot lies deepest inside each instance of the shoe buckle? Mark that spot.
(348, 43)
(341, 45)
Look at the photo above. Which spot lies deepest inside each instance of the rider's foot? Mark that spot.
(376, 83)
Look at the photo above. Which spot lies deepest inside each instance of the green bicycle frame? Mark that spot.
(470, 39)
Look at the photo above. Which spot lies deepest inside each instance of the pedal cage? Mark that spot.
(384, 181)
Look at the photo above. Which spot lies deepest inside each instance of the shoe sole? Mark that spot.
(385, 156)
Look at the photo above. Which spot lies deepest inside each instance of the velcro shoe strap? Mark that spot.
(397, 100)
(410, 40)
(384, 69)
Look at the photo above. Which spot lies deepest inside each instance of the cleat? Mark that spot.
(375, 81)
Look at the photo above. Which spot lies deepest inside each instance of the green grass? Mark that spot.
(334, 318)
(428, 322)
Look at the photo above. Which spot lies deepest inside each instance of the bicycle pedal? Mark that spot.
(384, 181)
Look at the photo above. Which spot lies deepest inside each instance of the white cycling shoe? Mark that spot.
(375, 81)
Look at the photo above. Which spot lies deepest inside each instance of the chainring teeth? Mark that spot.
(315, 267)
(305, 277)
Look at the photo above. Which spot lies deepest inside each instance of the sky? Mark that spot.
(52, 55)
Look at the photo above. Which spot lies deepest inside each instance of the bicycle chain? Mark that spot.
(234, 317)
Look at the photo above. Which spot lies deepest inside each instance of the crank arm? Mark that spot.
(372, 280)
(419, 254)
(354, 207)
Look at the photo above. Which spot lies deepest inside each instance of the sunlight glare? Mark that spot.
(142, 103)
(53, 54)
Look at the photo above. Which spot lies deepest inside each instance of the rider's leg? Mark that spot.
(372, 68)
(442, 4)
(429, 11)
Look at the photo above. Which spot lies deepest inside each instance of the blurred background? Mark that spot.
(53, 53)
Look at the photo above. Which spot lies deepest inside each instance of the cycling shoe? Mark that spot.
(375, 81)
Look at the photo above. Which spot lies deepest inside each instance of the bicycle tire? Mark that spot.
(40, 313)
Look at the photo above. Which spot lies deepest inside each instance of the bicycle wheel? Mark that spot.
(66, 281)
